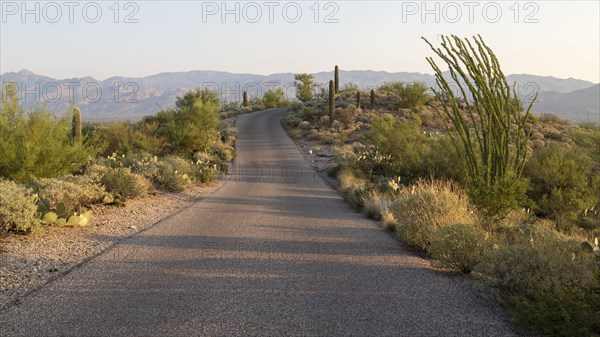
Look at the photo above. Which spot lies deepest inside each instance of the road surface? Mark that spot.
(273, 252)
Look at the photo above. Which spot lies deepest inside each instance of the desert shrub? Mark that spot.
(193, 126)
(406, 95)
(123, 183)
(549, 282)
(559, 181)
(17, 208)
(458, 246)
(125, 137)
(442, 161)
(308, 113)
(72, 191)
(496, 202)
(223, 151)
(400, 144)
(425, 207)
(353, 188)
(274, 99)
(377, 205)
(36, 144)
(346, 116)
(166, 178)
(228, 133)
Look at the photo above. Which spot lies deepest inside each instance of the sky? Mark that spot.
(66, 39)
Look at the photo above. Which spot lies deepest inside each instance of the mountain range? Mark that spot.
(132, 98)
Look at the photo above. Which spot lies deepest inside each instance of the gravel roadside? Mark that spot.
(27, 262)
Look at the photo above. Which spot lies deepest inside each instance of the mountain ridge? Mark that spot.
(121, 97)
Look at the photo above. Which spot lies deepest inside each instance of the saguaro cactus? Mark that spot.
(76, 127)
(337, 79)
(358, 99)
(245, 101)
(331, 100)
(372, 98)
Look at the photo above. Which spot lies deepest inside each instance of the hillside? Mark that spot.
(578, 106)
(133, 98)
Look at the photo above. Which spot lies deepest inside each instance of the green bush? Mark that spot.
(400, 144)
(123, 183)
(406, 95)
(37, 144)
(124, 137)
(72, 191)
(425, 207)
(274, 99)
(305, 85)
(17, 208)
(223, 151)
(192, 127)
(166, 178)
(549, 282)
(459, 246)
(559, 181)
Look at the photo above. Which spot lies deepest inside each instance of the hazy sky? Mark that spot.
(73, 39)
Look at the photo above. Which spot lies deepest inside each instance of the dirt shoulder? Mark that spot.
(29, 262)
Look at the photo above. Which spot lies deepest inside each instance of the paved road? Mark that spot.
(273, 252)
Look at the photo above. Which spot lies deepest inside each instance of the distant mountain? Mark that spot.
(133, 98)
(576, 106)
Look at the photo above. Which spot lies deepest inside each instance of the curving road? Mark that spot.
(273, 252)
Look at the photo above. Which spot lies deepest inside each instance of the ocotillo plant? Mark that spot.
(358, 99)
(245, 100)
(489, 132)
(76, 127)
(331, 100)
(337, 79)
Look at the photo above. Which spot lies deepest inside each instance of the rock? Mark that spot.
(133, 227)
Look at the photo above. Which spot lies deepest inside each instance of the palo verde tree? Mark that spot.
(36, 144)
(304, 86)
(193, 126)
(274, 99)
(485, 121)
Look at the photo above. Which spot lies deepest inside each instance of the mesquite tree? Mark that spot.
(485, 121)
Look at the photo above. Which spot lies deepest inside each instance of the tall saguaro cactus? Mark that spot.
(358, 99)
(337, 79)
(372, 98)
(76, 127)
(245, 99)
(331, 100)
